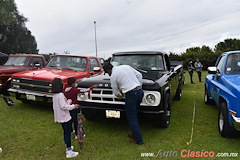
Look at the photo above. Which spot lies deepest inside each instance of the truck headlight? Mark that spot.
(81, 97)
(150, 98)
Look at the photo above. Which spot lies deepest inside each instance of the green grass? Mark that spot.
(29, 132)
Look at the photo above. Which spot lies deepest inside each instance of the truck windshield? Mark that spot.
(233, 64)
(141, 62)
(68, 62)
(17, 61)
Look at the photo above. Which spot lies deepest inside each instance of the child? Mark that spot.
(71, 93)
(61, 114)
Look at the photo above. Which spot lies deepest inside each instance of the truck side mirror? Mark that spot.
(96, 69)
(37, 65)
(212, 70)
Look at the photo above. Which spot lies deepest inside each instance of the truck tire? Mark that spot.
(178, 93)
(90, 114)
(207, 100)
(225, 129)
(165, 116)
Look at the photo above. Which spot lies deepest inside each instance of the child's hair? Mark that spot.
(57, 85)
(71, 80)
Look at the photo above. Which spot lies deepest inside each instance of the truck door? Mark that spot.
(214, 85)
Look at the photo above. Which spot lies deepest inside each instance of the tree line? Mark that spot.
(205, 54)
(14, 35)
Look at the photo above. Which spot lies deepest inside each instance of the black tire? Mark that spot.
(165, 116)
(207, 100)
(224, 128)
(178, 95)
(91, 114)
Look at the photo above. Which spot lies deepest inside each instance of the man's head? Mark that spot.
(107, 67)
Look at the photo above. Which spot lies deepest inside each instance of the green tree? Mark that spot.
(14, 36)
(228, 45)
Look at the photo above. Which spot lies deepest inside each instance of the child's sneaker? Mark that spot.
(72, 148)
(71, 154)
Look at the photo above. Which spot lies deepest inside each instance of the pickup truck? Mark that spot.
(222, 86)
(36, 85)
(161, 84)
(17, 63)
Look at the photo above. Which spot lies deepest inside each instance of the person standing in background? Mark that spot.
(198, 66)
(190, 70)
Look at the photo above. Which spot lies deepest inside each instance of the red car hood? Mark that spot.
(48, 74)
(12, 69)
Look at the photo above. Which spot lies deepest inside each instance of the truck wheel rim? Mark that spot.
(205, 97)
(221, 122)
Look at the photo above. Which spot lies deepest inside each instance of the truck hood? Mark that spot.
(48, 74)
(12, 69)
(104, 81)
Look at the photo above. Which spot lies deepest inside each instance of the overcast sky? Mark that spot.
(129, 25)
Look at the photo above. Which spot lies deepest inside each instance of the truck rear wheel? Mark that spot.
(225, 129)
(165, 116)
(178, 93)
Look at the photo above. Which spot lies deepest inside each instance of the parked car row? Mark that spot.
(29, 78)
(162, 81)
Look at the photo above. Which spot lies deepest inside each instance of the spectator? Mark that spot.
(198, 66)
(190, 70)
(61, 114)
(125, 80)
(71, 93)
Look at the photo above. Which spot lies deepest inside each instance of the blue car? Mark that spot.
(222, 87)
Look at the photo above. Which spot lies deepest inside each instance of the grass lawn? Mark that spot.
(29, 132)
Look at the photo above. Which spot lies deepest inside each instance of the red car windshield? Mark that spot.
(68, 62)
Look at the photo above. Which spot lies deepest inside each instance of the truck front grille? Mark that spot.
(100, 95)
(31, 85)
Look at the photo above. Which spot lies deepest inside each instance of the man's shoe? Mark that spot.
(130, 136)
(71, 154)
(134, 142)
(192, 82)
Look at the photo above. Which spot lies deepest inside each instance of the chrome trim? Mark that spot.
(29, 92)
(236, 122)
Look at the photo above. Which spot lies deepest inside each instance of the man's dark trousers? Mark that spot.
(132, 103)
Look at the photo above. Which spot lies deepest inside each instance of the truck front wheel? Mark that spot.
(207, 100)
(225, 129)
(165, 116)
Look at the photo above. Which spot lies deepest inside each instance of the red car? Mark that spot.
(17, 63)
(36, 85)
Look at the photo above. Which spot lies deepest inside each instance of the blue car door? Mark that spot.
(216, 80)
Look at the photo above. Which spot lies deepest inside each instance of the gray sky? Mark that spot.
(129, 25)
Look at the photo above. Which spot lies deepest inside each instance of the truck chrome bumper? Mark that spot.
(236, 122)
(29, 93)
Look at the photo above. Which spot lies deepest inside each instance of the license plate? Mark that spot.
(112, 114)
(30, 97)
